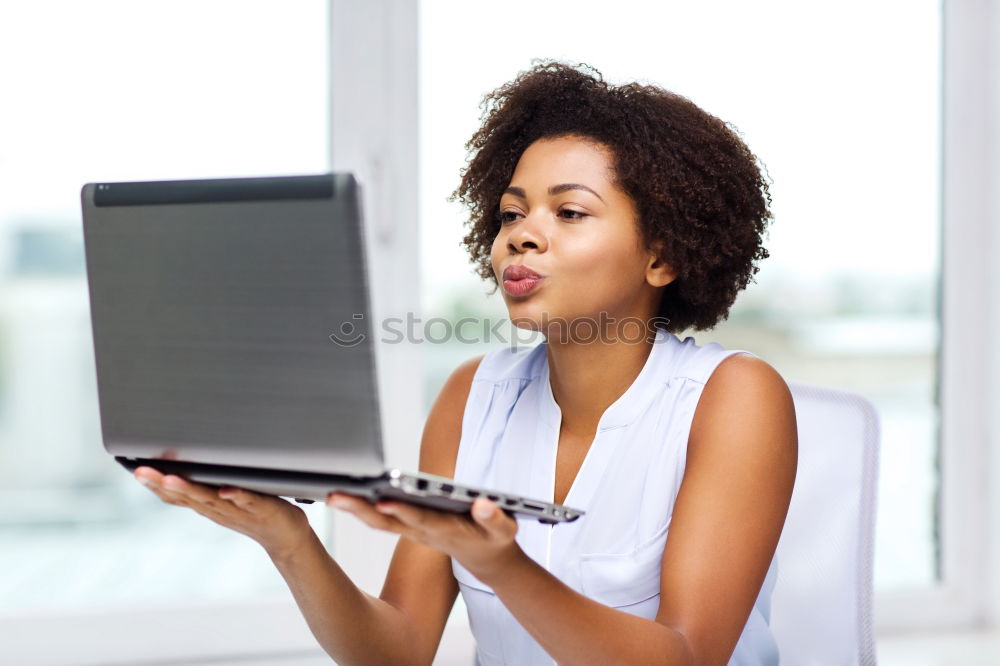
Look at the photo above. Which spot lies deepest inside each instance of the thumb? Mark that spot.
(489, 515)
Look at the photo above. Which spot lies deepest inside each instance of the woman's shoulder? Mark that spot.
(699, 362)
(443, 428)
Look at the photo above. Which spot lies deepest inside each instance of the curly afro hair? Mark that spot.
(696, 186)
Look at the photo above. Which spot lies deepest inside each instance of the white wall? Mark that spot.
(991, 84)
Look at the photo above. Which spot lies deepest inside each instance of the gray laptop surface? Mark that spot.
(214, 306)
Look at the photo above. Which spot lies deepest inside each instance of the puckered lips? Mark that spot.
(519, 280)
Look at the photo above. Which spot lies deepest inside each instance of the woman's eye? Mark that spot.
(506, 216)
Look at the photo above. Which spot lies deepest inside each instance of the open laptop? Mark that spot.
(233, 340)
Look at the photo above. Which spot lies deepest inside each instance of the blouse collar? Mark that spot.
(630, 404)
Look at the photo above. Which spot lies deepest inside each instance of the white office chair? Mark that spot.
(821, 606)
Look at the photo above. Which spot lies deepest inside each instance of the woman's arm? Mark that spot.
(405, 623)
(352, 626)
(420, 582)
(402, 626)
(349, 624)
(742, 458)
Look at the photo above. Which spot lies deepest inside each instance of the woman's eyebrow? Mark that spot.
(555, 189)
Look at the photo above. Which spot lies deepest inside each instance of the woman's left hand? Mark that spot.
(484, 544)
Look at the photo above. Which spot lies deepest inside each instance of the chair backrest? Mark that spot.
(821, 606)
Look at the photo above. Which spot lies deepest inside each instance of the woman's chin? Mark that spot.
(546, 324)
(528, 316)
(525, 322)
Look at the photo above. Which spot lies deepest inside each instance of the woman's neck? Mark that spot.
(588, 377)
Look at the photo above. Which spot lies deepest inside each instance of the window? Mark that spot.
(106, 91)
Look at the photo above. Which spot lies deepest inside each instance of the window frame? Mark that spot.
(374, 133)
(960, 600)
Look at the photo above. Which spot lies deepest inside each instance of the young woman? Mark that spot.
(613, 218)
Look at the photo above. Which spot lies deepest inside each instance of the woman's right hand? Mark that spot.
(276, 524)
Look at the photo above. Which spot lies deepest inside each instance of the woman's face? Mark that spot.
(562, 217)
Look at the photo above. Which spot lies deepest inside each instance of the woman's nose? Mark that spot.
(527, 234)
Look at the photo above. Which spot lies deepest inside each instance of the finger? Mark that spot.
(178, 497)
(165, 495)
(427, 520)
(438, 529)
(164, 483)
(153, 480)
(365, 512)
(147, 475)
(170, 488)
(177, 491)
(492, 519)
(210, 501)
(221, 511)
(340, 499)
(193, 492)
(243, 499)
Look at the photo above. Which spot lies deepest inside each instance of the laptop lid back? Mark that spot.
(214, 307)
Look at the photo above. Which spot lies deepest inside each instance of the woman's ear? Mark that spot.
(658, 273)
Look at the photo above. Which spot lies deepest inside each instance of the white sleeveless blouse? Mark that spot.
(627, 485)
